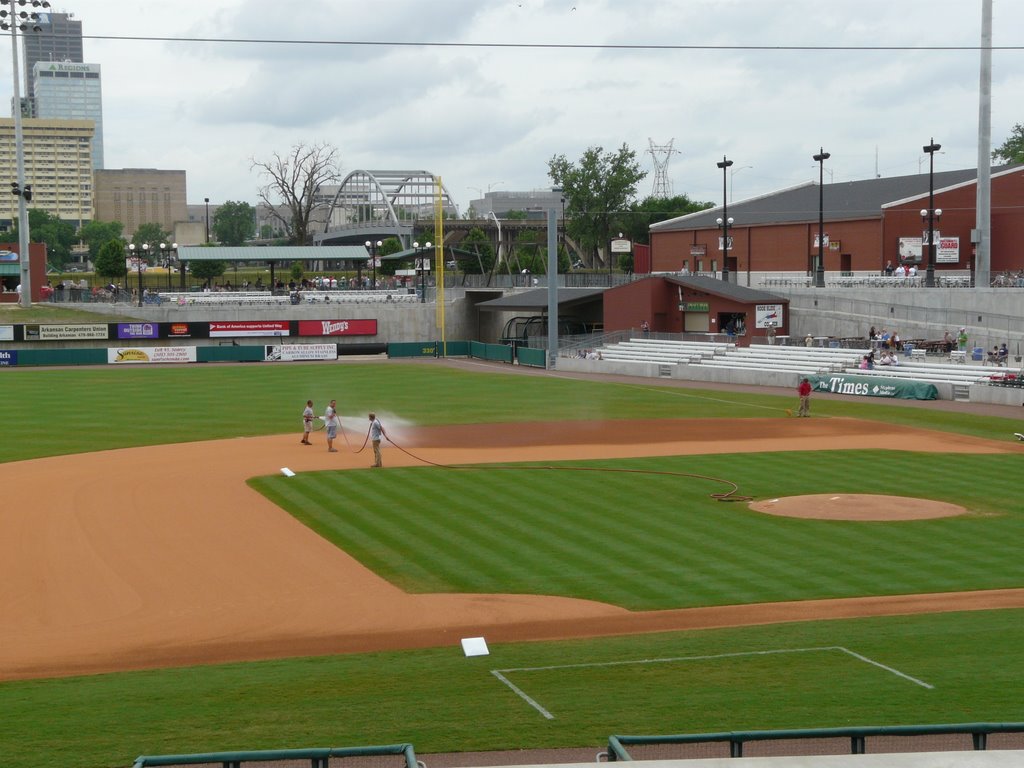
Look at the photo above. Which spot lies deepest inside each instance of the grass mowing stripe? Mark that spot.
(676, 548)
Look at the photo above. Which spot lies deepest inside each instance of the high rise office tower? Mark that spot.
(59, 39)
(66, 91)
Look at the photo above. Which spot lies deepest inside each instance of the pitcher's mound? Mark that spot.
(857, 506)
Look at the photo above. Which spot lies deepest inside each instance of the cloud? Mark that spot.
(437, 86)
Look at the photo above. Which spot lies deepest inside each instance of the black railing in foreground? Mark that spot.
(858, 736)
(318, 757)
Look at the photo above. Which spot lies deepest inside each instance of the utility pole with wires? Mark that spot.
(661, 153)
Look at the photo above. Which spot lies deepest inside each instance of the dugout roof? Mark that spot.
(536, 300)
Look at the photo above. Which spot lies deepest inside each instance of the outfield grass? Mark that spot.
(49, 411)
(658, 541)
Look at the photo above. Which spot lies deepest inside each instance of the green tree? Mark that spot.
(151, 234)
(233, 223)
(110, 260)
(388, 247)
(207, 270)
(295, 179)
(1011, 150)
(44, 227)
(651, 210)
(597, 190)
(96, 234)
(478, 242)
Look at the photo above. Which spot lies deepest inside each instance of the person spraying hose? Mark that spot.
(376, 433)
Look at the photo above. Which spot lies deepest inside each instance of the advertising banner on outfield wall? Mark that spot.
(873, 386)
(184, 330)
(65, 332)
(337, 328)
(291, 352)
(6, 333)
(250, 328)
(8, 357)
(134, 355)
(137, 330)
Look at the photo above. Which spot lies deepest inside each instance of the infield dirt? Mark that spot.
(163, 556)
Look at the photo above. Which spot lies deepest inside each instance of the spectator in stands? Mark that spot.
(947, 342)
(886, 358)
(961, 340)
(872, 334)
(894, 341)
(888, 269)
(901, 271)
(1004, 354)
(912, 271)
(808, 340)
(646, 328)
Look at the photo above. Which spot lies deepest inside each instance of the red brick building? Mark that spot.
(695, 304)
(867, 224)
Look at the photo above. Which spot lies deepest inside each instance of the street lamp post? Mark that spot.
(140, 256)
(931, 214)
(725, 221)
(165, 257)
(422, 267)
(372, 247)
(14, 21)
(819, 273)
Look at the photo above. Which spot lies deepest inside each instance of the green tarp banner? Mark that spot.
(872, 386)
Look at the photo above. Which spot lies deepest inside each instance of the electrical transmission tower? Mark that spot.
(661, 153)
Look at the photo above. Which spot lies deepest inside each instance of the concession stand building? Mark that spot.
(695, 304)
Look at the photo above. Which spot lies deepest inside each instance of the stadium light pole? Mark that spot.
(725, 221)
(931, 213)
(819, 273)
(206, 200)
(16, 21)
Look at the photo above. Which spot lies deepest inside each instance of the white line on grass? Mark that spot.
(896, 672)
(521, 693)
(499, 673)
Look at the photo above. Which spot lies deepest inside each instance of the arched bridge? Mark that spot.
(378, 204)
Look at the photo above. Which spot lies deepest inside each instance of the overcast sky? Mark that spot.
(717, 77)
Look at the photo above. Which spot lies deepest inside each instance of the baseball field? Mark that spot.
(640, 556)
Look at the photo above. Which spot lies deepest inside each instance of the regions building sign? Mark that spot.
(873, 386)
